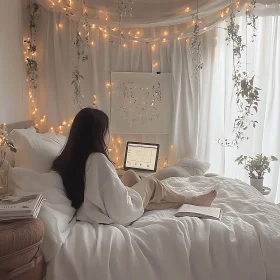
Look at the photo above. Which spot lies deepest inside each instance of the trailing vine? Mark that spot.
(252, 18)
(31, 63)
(81, 44)
(247, 95)
(196, 45)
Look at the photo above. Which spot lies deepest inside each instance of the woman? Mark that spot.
(92, 184)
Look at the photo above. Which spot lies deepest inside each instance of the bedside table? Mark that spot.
(20, 254)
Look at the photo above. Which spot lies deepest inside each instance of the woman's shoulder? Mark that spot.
(98, 156)
(98, 162)
(99, 159)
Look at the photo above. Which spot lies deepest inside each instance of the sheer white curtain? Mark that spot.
(203, 110)
(217, 108)
(56, 57)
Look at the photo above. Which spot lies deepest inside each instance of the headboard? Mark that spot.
(19, 125)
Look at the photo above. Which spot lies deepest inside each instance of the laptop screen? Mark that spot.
(141, 156)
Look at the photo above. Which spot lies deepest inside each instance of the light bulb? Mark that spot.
(60, 25)
(165, 33)
(187, 9)
(124, 45)
(93, 26)
(92, 43)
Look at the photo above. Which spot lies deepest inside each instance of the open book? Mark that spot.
(200, 212)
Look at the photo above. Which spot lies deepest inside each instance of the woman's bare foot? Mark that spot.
(205, 199)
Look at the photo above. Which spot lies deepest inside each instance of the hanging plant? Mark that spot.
(247, 94)
(247, 99)
(31, 63)
(252, 18)
(76, 82)
(196, 45)
(81, 44)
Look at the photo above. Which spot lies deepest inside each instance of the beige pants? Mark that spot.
(155, 195)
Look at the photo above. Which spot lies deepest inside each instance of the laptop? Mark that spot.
(141, 157)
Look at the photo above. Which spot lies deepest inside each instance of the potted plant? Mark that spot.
(256, 166)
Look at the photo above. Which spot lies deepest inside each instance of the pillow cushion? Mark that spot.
(36, 151)
(186, 167)
(56, 212)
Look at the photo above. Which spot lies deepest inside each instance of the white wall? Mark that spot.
(13, 92)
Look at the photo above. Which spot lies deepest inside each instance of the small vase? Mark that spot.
(257, 183)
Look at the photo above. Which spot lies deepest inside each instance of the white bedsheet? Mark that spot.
(245, 245)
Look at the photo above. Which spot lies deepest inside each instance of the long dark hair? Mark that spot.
(87, 136)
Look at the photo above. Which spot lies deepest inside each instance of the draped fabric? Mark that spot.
(203, 110)
(218, 103)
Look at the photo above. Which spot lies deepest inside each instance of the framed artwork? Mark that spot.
(140, 103)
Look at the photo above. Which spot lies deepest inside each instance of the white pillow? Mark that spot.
(57, 212)
(36, 151)
(186, 167)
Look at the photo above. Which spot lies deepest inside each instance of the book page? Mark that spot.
(207, 211)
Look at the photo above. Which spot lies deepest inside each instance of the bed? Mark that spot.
(158, 246)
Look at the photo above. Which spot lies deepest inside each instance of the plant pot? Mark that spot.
(257, 183)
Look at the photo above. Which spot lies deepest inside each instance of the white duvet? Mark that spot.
(244, 245)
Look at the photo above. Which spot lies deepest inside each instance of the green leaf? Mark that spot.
(252, 80)
(273, 158)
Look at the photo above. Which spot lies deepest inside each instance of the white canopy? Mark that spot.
(160, 20)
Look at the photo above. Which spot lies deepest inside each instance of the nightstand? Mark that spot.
(20, 254)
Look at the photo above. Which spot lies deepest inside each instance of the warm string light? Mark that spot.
(69, 5)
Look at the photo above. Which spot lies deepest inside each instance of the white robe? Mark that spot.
(107, 200)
